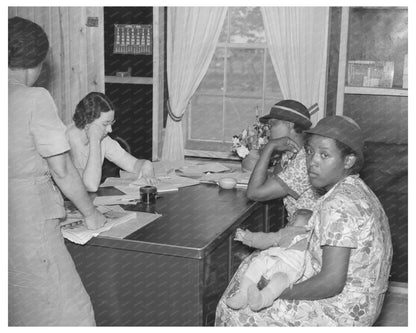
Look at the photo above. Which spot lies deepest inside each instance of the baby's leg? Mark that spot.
(250, 278)
(239, 300)
(262, 299)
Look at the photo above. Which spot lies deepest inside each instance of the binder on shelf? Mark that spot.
(133, 39)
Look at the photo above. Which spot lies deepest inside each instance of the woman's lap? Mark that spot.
(329, 312)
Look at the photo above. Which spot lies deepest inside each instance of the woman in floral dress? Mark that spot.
(350, 248)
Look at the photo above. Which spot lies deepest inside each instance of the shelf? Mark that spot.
(129, 80)
(375, 91)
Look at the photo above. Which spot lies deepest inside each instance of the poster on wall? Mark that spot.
(133, 39)
(370, 73)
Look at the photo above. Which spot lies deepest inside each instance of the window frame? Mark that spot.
(194, 150)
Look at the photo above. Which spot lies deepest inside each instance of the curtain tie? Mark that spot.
(172, 115)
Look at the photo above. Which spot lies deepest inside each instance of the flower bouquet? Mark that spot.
(254, 137)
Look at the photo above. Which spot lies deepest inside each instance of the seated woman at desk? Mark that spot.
(90, 143)
(350, 249)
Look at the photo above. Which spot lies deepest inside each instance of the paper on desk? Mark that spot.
(241, 177)
(115, 216)
(204, 167)
(116, 199)
(116, 181)
(126, 228)
(168, 183)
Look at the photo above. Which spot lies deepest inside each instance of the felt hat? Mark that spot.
(343, 129)
(289, 110)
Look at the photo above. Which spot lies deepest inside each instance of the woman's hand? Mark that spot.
(239, 235)
(147, 173)
(95, 220)
(282, 144)
(95, 132)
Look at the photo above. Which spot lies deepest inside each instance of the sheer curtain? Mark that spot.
(297, 38)
(192, 35)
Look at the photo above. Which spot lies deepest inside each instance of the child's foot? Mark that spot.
(238, 301)
(257, 299)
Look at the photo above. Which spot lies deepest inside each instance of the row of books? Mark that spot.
(133, 39)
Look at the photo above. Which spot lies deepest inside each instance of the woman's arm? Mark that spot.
(330, 281)
(260, 188)
(93, 169)
(68, 180)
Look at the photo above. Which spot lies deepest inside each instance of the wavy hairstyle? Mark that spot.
(90, 108)
(28, 44)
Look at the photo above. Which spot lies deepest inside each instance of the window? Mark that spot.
(240, 83)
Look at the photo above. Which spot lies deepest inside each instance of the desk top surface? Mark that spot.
(193, 220)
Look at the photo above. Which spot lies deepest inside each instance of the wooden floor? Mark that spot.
(395, 307)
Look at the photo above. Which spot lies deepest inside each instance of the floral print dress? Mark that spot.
(349, 215)
(294, 178)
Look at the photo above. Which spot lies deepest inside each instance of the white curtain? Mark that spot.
(297, 38)
(192, 35)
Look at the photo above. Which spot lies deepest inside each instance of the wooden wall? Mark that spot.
(75, 63)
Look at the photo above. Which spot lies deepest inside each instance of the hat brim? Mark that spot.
(333, 134)
(288, 117)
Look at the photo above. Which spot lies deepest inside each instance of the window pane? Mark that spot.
(224, 32)
(213, 81)
(239, 113)
(245, 72)
(246, 25)
(272, 85)
(206, 118)
(379, 34)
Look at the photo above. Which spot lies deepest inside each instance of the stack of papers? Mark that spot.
(80, 234)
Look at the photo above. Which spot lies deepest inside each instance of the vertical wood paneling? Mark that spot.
(95, 51)
(57, 54)
(12, 12)
(76, 56)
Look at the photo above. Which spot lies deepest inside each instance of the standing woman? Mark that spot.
(44, 286)
(90, 143)
(350, 248)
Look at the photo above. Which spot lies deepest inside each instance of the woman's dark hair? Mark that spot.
(345, 151)
(90, 108)
(28, 44)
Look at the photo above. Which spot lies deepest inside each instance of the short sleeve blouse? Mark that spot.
(294, 178)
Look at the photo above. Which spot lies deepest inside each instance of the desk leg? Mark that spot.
(266, 217)
(230, 257)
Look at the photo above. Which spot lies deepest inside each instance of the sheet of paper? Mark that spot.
(125, 229)
(116, 181)
(204, 167)
(168, 183)
(115, 216)
(117, 199)
(241, 177)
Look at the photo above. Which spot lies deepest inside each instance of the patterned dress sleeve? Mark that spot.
(339, 222)
(46, 127)
(294, 178)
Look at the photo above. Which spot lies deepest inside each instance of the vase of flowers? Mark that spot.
(249, 143)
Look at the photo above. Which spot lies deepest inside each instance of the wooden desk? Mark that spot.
(173, 271)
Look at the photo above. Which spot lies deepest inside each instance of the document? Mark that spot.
(80, 234)
(241, 177)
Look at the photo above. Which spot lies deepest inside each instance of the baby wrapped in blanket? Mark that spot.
(282, 262)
